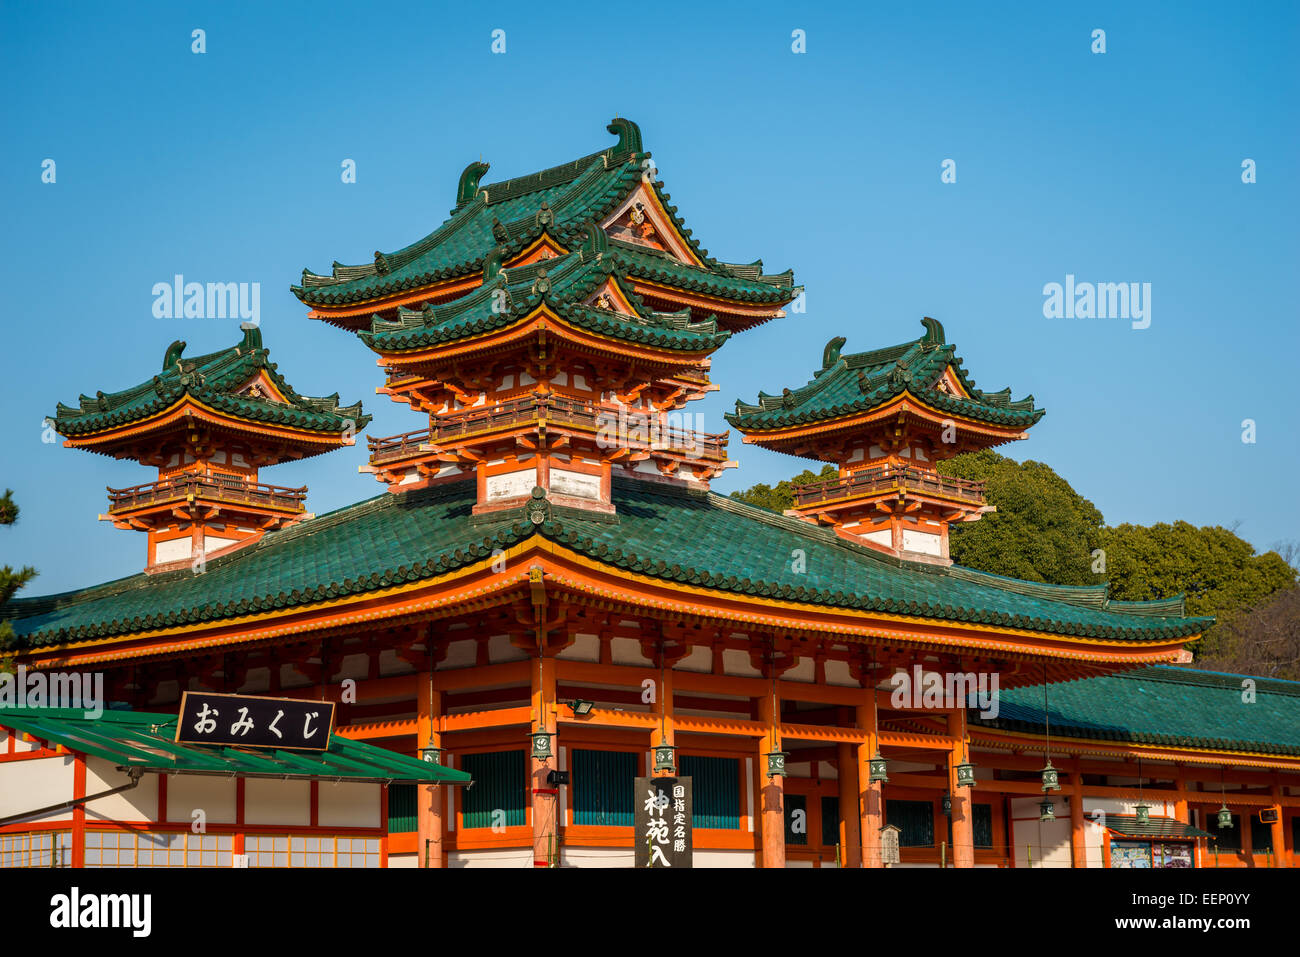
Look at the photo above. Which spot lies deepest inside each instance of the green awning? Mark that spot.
(137, 739)
(1127, 825)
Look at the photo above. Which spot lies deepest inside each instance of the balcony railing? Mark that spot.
(227, 489)
(891, 478)
(629, 429)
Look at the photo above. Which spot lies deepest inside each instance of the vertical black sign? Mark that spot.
(663, 822)
(251, 721)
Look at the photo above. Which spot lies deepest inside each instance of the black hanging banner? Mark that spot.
(663, 822)
(249, 721)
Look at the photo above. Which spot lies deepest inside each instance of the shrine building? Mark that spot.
(547, 599)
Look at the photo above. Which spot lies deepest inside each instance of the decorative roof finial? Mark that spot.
(467, 188)
(933, 332)
(173, 354)
(629, 136)
(831, 355)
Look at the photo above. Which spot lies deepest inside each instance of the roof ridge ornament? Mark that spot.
(467, 187)
(831, 354)
(539, 506)
(629, 136)
(933, 333)
(173, 355)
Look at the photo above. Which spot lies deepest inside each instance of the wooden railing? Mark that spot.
(216, 488)
(632, 429)
(890, 478)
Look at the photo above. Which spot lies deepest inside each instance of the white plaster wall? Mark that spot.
(348, 804)
(138, 804)
(724, 859)
(173, 550)
(509, 857)
(214, 795)
(403, 860)
(1050, 841)
(597, 857)
(736, 662)
(584, 648)
(267, 801)
(25, 785)
(460, 654)
(500, 649)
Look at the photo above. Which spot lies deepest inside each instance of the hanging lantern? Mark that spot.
(1046, 810)
(776, 763)
(965, 775)
(664, 759)
(947, 805)
(1050, 778)
(1225, 817)
(432, 754)
(542, 744)
(879, 768)
(1143, 814)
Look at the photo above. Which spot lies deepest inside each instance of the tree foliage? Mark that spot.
(10, 580)
(781, 497)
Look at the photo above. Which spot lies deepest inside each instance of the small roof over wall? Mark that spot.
(138, 739)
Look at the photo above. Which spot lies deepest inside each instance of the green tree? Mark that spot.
(10, 580)
(1219, 572)
(1043, 530)
(782, 497)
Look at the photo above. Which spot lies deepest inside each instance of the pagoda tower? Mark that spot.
(886, 419)
(552, 331)
(208, 424)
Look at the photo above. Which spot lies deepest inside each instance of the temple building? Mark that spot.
(547, 598)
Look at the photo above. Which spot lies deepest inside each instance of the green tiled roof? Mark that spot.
(694, 538)
(211, 379)
(138, 739)
(562, 201)
(1129, 826)
(563, 283)
(863, 381)
(1163, 706)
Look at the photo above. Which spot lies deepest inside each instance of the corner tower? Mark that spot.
(208, 424)
(886, 419)
(552, 331)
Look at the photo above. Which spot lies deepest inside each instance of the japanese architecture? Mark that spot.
(208, 424)
(546, 594)
(886, 419)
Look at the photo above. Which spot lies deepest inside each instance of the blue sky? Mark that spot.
(1115, 167)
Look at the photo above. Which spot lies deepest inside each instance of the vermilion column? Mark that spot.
(664, 707)
(771, 792)
(1078, 834)
(871, 805)
(963, 827)
(429, 800)
(1279, 832)
(546, 833)
(850, 815)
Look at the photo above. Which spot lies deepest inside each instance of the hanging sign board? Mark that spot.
(889, 845)
(249, 721)
(662, 819)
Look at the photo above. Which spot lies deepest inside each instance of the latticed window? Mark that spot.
(402, 808)
(158, 849)
(297, 850)
(36, 849)
(499, 788)
(603, 786)
(914, 820)
(715, 790)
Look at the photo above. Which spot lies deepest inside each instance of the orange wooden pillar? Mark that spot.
(1078, 834)
(963, 824)
(771, 803)
(664, 707)
(546, 832)
(1280, 856)
(429, 801)
(850, 815)
(871, 803)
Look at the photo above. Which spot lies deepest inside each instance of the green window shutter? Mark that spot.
(982, 820)
(603, 784)
(1261, 835)
(794, 803)
(715, 790)
(914, 820)
(499, 785)
(1229, 837)
(401, 808)
(830, 821)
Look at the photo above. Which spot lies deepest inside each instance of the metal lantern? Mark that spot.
(947, 805)
(965, 775)
(1046, 810)
(879, 768)
(776, 763)
(542, 744)
(432, 754)
(1143, 814)
(664, 759)
(1225, 817)
(1050, 778)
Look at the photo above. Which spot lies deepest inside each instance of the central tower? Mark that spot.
(552, 331)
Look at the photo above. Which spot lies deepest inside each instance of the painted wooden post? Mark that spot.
(850, 816)
(1280, 856)
(664, 706)
(429, 800)
(1078, 829)
(963, 825)
(771, 803)
(871, 802)
(546, 838)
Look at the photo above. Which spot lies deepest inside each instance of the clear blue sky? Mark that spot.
(1115, 167)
